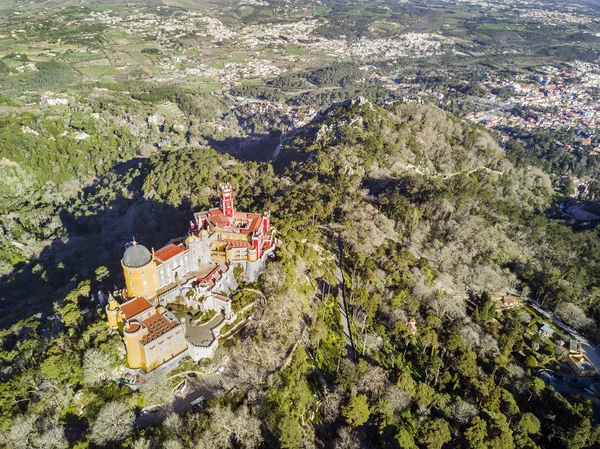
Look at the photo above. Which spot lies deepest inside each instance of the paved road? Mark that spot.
(592, 351)
(339, 275)
(206, 385)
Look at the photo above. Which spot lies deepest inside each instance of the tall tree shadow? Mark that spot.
(257, 147)
(86, 241)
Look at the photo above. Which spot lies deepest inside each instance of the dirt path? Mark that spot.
(489, 170)
(451, 175)
(130, 217)
(342, 304)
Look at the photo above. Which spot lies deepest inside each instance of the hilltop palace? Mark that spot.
(195, 271)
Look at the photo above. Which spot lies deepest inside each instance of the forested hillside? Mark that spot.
(48, 156)
(432, 173)
(433, 218)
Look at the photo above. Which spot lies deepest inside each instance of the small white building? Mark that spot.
(545, 331)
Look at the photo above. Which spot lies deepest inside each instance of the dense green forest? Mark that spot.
(541, 149)
(427, 206)
(48, 157)
(39, 167)
(336, 83)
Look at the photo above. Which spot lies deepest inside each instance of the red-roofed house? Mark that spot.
(229, 226)
(152, 335)
(135, 308)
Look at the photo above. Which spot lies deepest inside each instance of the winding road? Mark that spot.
(592, 351)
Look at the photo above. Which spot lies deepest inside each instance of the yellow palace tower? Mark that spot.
(139, 268)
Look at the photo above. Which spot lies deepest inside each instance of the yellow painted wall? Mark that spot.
(235, 236)
(112, 312)
(112, 317)
(236, 254)
(135, 355)
(135, 278)
(162, 351)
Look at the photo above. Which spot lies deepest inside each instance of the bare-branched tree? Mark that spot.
(114, 423)
(97, 366)
(463, 411)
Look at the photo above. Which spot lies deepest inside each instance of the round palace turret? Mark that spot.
(191, 239)
(136, 256)
(139, 269)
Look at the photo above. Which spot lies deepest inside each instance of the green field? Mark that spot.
(170, 110)
(499, 26)
(238, 58)
(13, 63)
(150, 56)
(293, 50)
(114, 8)
(107, 79)
(205, 79)
(209, 88)
(82, 57)
(246, 10)
(322, 10)
(97, 71)
(387, 26)
(369, 12)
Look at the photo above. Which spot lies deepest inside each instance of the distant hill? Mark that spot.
(415, 136)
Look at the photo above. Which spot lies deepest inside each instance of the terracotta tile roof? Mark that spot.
(216, 218)
(157, 325)
(132, 327)
(237, 243)
(134, 306)
(222, 298)
(255, 224)
(240, 215)
(508, 300)
(214, 212)
(169, 251)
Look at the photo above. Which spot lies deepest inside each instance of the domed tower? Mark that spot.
(112, 312)
(141, 275)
